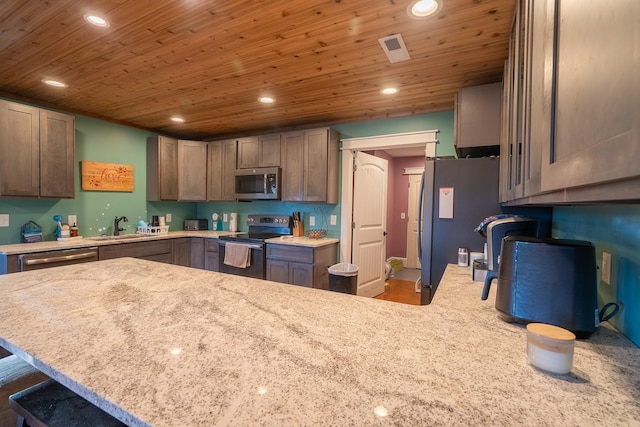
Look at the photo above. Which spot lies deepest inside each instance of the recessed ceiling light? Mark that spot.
(266, 100)
(420, 9)
(389, 90)
(54, 83)
(177, 119)
(96, 20)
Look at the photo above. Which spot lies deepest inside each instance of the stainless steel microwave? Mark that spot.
(257, 184)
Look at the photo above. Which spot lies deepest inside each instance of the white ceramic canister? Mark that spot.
(550, 347)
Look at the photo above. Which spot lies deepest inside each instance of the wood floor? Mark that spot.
(401, 291)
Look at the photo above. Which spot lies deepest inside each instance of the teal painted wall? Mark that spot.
(442, 121)
(321, 212)
(96, 140)
(614, 229)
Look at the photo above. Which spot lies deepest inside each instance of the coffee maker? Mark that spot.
(500, 228)
(494, 229)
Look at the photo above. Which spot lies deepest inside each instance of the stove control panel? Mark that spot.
(269, 221)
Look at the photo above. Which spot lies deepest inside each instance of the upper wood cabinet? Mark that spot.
(269, 150)
(572, 104)
(248, 152)
(259, 151)
(597, 101)
(517, 119)
(38, 149)
(310, 166)
(221, 168)
(192, 170)
(477, 120)
(162, 168)
(176, 169)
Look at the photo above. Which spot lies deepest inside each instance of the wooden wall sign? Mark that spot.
(99, 176)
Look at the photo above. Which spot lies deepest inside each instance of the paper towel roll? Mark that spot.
(233, 221)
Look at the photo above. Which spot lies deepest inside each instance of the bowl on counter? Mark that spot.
(316, 234)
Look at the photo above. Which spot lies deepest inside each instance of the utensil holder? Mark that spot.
(298, 229)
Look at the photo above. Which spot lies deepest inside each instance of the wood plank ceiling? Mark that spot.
(209, 61)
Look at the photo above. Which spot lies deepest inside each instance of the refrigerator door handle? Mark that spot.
(419, 218)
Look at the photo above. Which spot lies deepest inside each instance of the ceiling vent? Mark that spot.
(394, 48)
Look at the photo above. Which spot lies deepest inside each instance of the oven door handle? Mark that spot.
(239, 243)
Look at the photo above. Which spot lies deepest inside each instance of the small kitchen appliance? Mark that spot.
(233, 221)
(257, 184)
(196, 224)
(502, 227)
(549, 281)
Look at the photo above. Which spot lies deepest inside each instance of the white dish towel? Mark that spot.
(237, 255)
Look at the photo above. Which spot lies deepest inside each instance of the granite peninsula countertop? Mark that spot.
(85, 242)
(303, 241)
(163, 345)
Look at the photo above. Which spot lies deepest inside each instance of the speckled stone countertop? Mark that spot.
(85, 242)
(162, 345)
(303, 241)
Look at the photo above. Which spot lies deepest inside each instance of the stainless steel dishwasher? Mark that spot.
(39, 260)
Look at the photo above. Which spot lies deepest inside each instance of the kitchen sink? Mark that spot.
(121, 237)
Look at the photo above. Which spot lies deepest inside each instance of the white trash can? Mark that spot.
(343, 277)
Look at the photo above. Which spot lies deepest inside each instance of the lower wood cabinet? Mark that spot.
(197, 252)
(154, 250)
(300, 265)
(182, 251)
(211, 255)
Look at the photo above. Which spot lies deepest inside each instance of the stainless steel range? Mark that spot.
(261, 228)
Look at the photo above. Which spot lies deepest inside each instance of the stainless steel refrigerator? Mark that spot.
(456, 195)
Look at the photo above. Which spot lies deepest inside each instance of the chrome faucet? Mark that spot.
(116, 225)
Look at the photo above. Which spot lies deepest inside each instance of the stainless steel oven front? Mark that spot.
(261, 228)
(256, 269)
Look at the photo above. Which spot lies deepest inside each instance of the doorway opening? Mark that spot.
(395, 146)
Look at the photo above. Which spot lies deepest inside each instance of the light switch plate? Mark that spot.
(167, 217)
(334, 219)
(4, 220)
(225, 217)
(312, 220)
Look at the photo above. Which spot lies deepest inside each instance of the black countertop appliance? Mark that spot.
(196, 224)
(548, 280)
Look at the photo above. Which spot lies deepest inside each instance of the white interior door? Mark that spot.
(370, 222)
(413, 261)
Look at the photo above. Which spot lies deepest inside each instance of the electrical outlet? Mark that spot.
(225, 217)
(403, 215)
(4, 220)
(334, 219)
(606, 267)
(312, 221)
(167, 218)
(73, 219)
